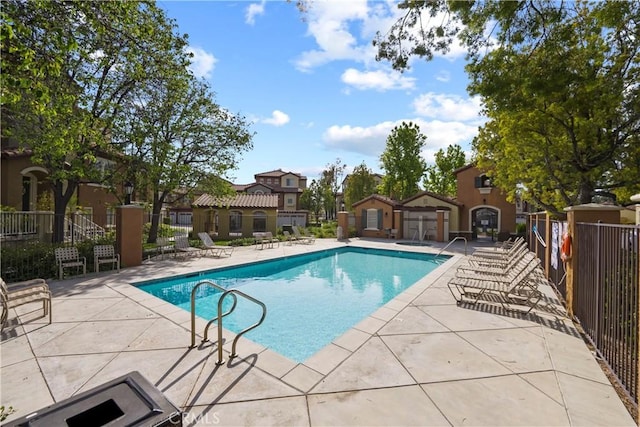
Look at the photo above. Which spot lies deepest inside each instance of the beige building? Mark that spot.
(235, 217)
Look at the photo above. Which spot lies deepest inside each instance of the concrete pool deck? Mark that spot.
(418, 360)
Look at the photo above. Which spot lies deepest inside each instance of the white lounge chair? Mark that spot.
(210, 246)
(301, 237)
(183, 246)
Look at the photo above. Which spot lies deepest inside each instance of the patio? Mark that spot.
(419, 360)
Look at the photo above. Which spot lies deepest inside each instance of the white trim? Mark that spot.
(31, 169)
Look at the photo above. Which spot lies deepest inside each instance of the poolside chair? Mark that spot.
(495, 261)
(183, 246)
(165, 246)
(494, 266)
(105, 254)
(289, 238)
(69, 257)
(519, 288)
(210, 246)
(302, 238)
(502, 251)
(21, 293)
(503, 274)
(269, 240)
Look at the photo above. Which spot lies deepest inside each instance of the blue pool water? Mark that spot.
(311, 299)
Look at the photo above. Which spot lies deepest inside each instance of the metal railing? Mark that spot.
(450, 243)
(221, 315)
(18, 223)
(606, 296)
(81, 227)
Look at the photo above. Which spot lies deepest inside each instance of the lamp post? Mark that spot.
(128, 190)
(342, 206)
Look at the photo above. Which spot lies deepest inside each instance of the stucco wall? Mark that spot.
(426, 200)
(387, 218)
(472, 198)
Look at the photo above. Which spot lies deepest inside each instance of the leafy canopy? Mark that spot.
(559, 84)
(439, 178)
(402, 162)
(361, 184)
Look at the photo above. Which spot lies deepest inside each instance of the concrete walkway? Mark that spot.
(419, 360)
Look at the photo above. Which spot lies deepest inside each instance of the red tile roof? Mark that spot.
(238, 201)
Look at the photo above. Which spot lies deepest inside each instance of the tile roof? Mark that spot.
(238, 201)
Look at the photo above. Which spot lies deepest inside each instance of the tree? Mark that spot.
(311, 199)
(180, 139)
(361, 184)
(439, 178)
(560, 90)
(97, 53)
(402, 162)
(330, 182)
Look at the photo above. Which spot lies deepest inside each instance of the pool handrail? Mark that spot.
(449, 244)
(235, 292)
(193, 310)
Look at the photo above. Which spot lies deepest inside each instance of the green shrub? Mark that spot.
(521, 228)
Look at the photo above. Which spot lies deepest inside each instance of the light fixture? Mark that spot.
(342, 206)
(128, 191)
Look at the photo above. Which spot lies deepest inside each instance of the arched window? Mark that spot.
(259, 221)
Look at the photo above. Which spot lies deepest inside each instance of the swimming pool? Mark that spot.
(311, 299)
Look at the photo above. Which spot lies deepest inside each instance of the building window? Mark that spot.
(235, 222)
(259, 221)
(483, 181)
(289, 201)
(373, 219)
(268, 180)
(289, 182)
(261, 179)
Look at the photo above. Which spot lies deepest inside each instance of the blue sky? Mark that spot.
(311, 87)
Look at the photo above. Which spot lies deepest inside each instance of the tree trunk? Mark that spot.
(60, 202)
(155, 218)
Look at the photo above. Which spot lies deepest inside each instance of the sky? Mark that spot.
(310, 87)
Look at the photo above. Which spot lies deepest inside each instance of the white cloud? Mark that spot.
(378, 80)
(278, 118)
(371, 140)
(202, 62)
(252, 10)
(329, 23)
(344, 30)
(447, 107)
(443, 76)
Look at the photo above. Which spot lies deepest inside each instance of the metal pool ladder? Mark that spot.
(449, 244)
(220, 315)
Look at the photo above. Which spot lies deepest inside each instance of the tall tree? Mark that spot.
(439, 178)
(330, 182)
(311, 199)
(98, 53)
(361, 184)
(559, 85)
(402, 162)
(181, 139)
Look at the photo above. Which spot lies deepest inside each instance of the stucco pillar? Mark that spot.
(583, 213)
(223, 223)
(343, 222)
(440, 226)
(636, 198)
(398, 223)
(129, 234)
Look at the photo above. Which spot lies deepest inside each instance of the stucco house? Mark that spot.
(235, 217)
(480, 210)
